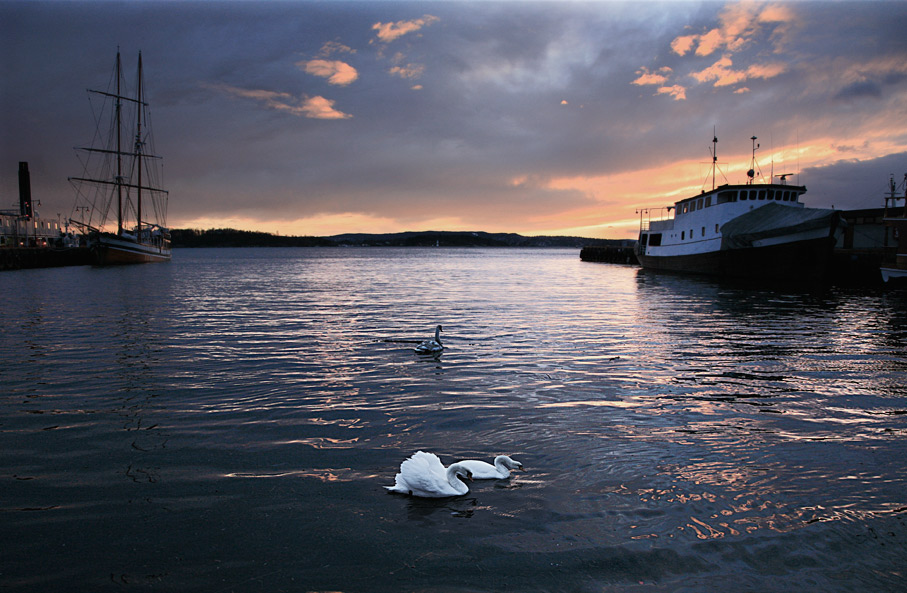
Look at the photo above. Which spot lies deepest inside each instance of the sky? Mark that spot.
(539, 118)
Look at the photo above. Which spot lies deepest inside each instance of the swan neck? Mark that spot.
(438, 335)
(452, 478)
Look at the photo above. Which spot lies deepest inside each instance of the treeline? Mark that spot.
(235, 238)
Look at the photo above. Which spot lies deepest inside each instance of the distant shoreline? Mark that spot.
(235, 238)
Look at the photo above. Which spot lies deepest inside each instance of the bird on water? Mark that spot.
(431, 346)
(482, 470)
(424, 475)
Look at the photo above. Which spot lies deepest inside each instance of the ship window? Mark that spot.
(743, 195)
(655, 239)
(693, 206)
(703, 231)
(727, 196)
(691, 234)
(753, 194)
(700, 204)
(787, 196)
(643, 239)
(716, 227)
(761, 194)
(708, 201)
(683, 235)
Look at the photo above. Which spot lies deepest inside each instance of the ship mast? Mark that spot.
(138, 151)
(752, 171)
(119, 178)
(714, 155)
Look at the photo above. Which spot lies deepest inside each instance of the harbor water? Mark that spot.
(228, 422)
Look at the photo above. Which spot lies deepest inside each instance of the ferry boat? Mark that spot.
(741, 230)
(122, 176)
(896, 218)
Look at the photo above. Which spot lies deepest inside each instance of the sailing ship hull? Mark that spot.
(112, 251)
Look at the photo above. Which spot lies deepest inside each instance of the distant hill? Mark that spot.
(235, 238)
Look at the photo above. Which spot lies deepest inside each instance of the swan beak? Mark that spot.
(521, 468)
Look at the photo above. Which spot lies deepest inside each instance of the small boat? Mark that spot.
(122, 176)
(896, 218)
(745, 230)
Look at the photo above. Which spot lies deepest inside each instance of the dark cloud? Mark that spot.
(446, 110)
(865, 88)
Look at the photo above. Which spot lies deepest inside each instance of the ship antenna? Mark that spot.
(752, 171)
(714, 155)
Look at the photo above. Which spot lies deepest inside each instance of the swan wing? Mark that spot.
(429, 346)
(424, 475)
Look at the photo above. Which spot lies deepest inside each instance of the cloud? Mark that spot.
(337, 72)
(311, 107)
(388, 32)
(320, 108)
(678, 92)
(720, 72)
(330, 48)
(645, 77)
(683, 44)
(660, 79)
(738, 25)
(408, 71)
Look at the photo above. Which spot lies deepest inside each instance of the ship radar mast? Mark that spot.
(751, 173)
(714, 152)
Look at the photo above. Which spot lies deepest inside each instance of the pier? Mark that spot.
(609, 254)
(20, 258)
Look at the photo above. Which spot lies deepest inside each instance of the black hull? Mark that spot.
(116, 251)
(802, 260)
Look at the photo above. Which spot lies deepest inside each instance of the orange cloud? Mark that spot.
(337, 72)
(678, 92)
(646, 77)
(683, 44)
(723, 74)
(388, 32)
(311, 107)
(720, 72)
(321, 108)
(332, 47)
(409, 71)
(738, 24)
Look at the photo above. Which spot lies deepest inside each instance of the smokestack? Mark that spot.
(25, 208)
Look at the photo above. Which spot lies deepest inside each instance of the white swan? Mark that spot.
(485, 471)
(424, 475)
(431, 346)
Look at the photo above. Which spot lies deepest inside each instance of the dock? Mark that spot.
(609, 254)
(22, 258)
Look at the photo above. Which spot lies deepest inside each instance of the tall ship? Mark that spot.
(120, 204)
(750, 230)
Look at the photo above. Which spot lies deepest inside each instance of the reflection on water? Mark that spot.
(227, 422)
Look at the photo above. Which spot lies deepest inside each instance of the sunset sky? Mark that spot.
(318, 118)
